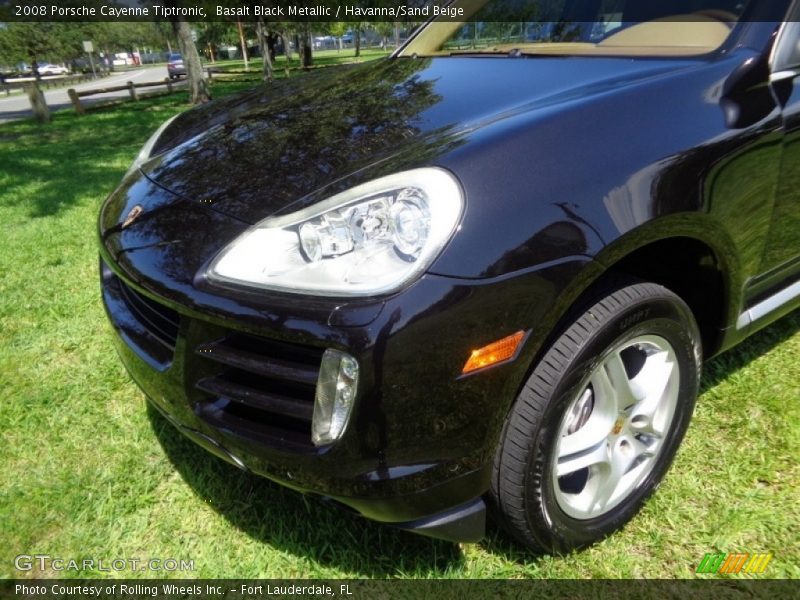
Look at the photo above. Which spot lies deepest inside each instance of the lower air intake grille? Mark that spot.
(263, 390)
(161, 322)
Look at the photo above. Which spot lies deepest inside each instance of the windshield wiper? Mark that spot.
(514, 53)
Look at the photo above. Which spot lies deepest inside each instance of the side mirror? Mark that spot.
(746, 96)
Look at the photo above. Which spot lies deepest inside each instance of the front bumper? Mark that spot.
(236, 370)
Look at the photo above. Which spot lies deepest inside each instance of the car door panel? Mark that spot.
(781, 260)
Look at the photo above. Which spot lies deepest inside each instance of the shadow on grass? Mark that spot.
(302, 525)
(74, 158)
(308, 527)
(54, 167)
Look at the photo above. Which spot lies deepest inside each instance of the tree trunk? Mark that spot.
(357, 39)
(287, 51)
(211, 52)
(261, 31)
(310, 44)
(396, 35)
(301, 48)
(243, 45)
(198, 86)
(38, 104)
(35, 67)
(305, 47)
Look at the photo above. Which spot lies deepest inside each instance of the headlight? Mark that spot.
(371, 239)
(144, 153)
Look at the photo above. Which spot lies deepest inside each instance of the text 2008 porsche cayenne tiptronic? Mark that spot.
(482, 273)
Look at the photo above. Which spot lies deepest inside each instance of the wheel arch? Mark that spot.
(696, 261)
(690, 268)
(688, 253)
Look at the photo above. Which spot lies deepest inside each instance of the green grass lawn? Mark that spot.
(89, 471)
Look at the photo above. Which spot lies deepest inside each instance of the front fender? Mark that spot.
(579, 177)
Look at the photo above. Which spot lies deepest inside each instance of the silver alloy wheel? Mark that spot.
(611, 434)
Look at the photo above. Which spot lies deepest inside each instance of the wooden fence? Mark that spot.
(18, 84)
(75, 96)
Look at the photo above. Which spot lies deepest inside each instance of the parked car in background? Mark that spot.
(82, 64)
(481, 274)
(175, 66)
(50, 69)
(324, 41)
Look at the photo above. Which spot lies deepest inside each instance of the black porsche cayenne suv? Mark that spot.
(482, 273)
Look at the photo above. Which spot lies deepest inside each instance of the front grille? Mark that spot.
(159, 321)
(148, 327)
(263, 390)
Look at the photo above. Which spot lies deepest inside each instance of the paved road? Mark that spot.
(18, 106)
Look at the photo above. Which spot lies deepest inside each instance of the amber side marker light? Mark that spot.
(497, 352)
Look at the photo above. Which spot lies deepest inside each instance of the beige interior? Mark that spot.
(679, 35)
(695, 31)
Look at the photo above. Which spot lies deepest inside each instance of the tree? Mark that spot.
(62, 42)
(304, 34)
(338, 29)
(243, 44)
(213, 34)
(357, 38)
(38, 104)
(284, 30)
(164, 33)
(110, 37)
(198, 86)
(36, 42)
(384, 29)
(261, 32)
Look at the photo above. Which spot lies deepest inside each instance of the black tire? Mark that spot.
(530, 501)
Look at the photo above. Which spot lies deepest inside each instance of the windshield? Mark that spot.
(581, 27)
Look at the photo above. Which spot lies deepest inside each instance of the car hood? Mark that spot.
(287, 145)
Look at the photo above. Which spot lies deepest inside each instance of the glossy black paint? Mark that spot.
(572, 167)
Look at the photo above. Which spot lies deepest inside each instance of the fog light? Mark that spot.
(336, 392)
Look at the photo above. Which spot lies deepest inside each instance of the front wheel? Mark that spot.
(598, 422)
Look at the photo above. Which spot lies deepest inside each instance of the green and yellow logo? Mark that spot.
(725, 563)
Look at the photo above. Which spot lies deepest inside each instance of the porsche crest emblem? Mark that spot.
(133, 214)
